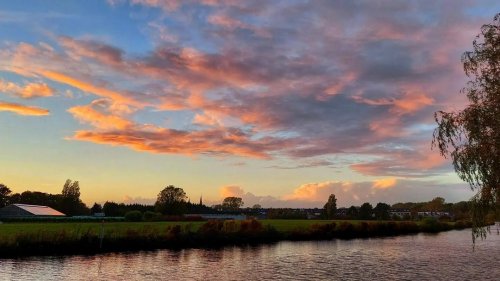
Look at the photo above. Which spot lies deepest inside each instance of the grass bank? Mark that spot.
(24, 239)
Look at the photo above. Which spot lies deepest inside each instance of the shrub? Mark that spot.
(133, 216)
(151, 216)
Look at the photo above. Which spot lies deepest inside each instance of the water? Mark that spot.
(443, 256)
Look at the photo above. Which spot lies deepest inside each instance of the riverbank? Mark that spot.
(27, 239)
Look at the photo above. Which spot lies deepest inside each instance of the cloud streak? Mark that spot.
(23, 109)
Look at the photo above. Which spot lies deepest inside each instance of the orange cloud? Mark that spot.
(205, 119)
(412, 102)
(87, 87)
(28, 91)
(153, 139)
(23, 109)
(231, 191)
(384, 183)
(88, 114)
(317, 191)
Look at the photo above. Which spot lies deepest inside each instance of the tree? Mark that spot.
(70, 202)
(472, 136)
(232, 203)
(435, 205)
(4, 195)
(381, 211)
(171, 200)
(330, 207)
(97, 208)
(352, 212)
(71, 190)
(256, 206)
(366, 211)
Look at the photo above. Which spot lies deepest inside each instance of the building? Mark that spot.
(218, 216)
(28, 211)
(401, 213)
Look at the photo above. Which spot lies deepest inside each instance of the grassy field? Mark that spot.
(42, 238)
(10, 230)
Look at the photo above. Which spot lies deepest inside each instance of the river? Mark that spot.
(443, 256)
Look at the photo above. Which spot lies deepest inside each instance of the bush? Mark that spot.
(151, 216)
(133, 216)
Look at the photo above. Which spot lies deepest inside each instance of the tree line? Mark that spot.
(172, 201)
(460, 210)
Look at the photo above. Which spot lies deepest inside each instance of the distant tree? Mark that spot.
(171, 200)
(257, 206)
(70, 202)
(286, 213)
(330, 208)
(232, 203)
(353, 212)
(381, 211)
(133, 216)
(96, 208)
(37, 198)
(472, 136)
(4, 195)
(435, 205)
(71, 189)
(366, 211)
(113, 209)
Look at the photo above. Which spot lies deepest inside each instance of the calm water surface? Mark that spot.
(444, 256)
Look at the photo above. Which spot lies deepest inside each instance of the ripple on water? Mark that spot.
(445, 256)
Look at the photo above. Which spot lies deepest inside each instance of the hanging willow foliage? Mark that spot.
(472, 136)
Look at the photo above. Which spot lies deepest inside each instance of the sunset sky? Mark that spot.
(278, 102)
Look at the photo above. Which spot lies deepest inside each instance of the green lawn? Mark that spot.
(9, 230)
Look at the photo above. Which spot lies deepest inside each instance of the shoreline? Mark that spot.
(208, 235)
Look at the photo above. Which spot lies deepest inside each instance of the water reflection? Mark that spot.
(446, 256)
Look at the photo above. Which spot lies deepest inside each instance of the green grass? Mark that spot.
(21, 239)
(10, 230)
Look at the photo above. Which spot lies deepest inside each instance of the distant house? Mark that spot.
(28, 211)
(401, 213)
(218, 216)
(433, 214)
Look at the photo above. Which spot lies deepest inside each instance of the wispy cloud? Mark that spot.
(27, 91)
(23, 109)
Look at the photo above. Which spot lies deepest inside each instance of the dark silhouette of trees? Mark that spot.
(96, 208)
(435, 205)
(171, 200)
(286, 213)
(232, 203)
(70, 202)
(352, 212)
(256, 206)
(4, 195)
(472, 136)
(37, 198)
(366, 211)
(330, 207)
(381, 211)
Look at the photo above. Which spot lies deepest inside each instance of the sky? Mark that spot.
(278, 102)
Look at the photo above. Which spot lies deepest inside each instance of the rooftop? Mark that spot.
(39, 210)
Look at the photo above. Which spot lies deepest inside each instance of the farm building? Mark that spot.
(27, 211)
